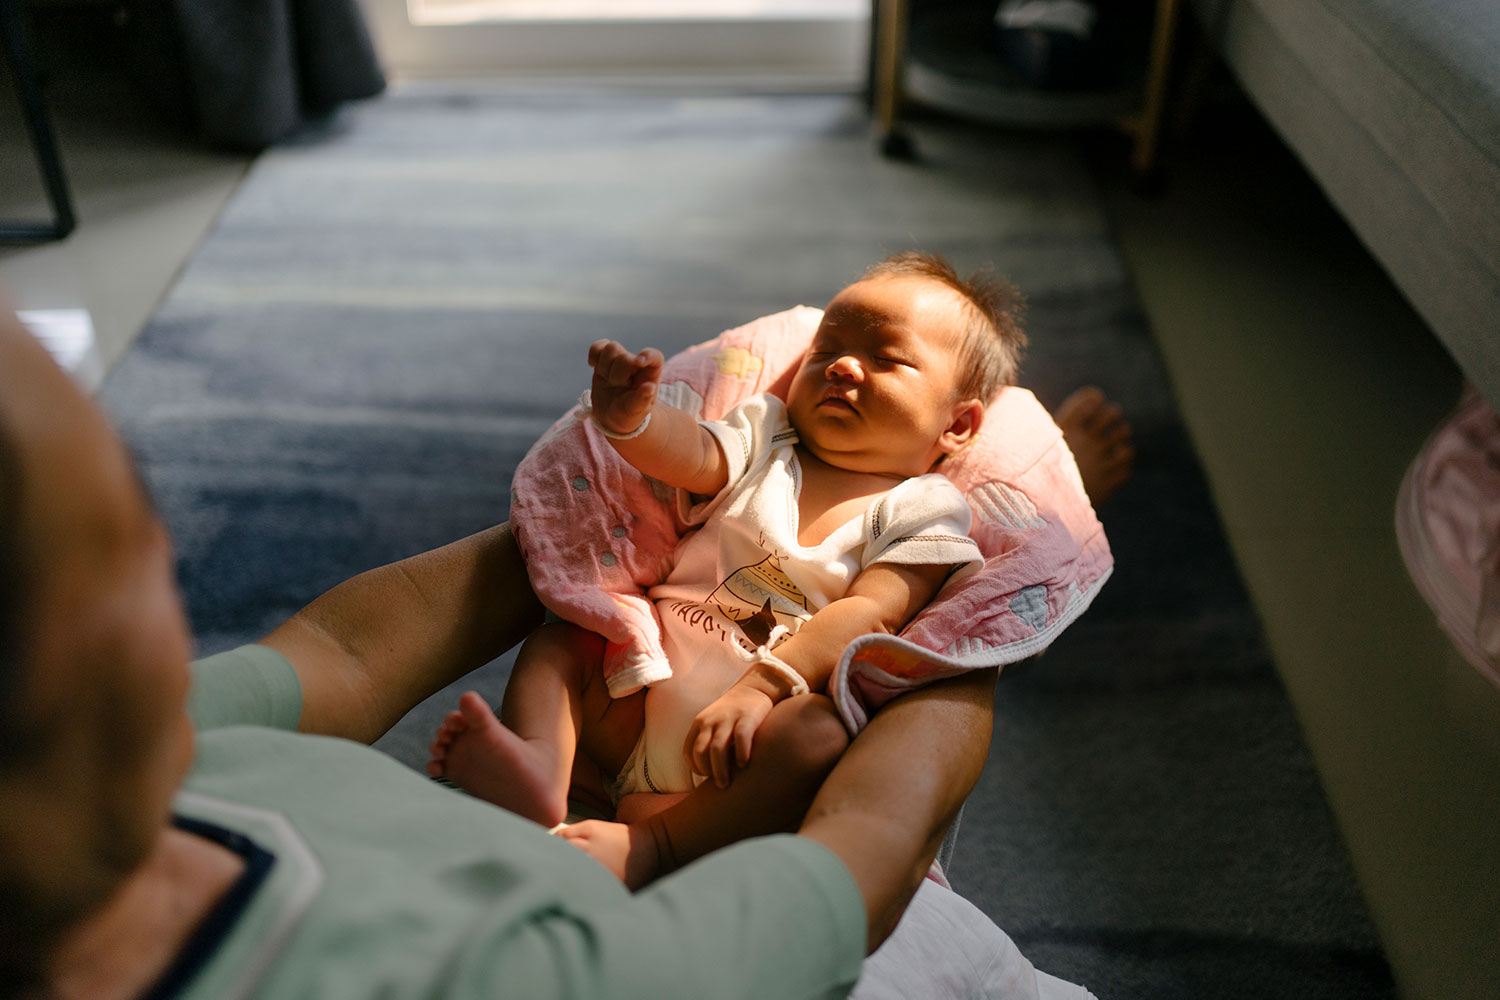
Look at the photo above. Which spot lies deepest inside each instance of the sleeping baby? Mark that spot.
(822, 520)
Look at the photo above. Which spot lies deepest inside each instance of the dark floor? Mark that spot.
(1308, 385)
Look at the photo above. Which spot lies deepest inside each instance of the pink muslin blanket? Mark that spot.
(596, 534)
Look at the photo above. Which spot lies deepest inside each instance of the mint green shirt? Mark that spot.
(388, 885)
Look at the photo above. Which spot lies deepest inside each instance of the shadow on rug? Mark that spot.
(393, 308)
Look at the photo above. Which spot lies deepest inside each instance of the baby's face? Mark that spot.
(878, 390)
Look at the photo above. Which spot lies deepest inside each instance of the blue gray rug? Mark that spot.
(395, 305)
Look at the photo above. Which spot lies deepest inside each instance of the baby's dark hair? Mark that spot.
(991, 344)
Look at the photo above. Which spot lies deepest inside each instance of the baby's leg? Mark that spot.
(523, 760)
(795, 749)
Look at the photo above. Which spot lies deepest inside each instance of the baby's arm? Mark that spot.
(883, 598)
(673, 447)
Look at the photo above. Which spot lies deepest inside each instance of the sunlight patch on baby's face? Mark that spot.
(880, 381)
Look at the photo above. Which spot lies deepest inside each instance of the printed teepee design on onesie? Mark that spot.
(758, 598)
(592, 552)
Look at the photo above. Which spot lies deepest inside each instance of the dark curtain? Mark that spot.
(247, 73)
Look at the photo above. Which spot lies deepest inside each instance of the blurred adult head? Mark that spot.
(94, 735)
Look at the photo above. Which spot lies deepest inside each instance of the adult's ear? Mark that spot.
(968, 417)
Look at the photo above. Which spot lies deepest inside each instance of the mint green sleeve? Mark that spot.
(771, 917)
(248, 686)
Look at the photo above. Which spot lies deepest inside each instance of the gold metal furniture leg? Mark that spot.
(890, 27)
(889, 24)
(1148, 125)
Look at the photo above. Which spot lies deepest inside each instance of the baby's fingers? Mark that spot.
(636, 371)
(698, 739)
(718, 754)
(708, 750)
(648, 365)
(619, 367)
(600, 349)
(744, 739)
(612, 363)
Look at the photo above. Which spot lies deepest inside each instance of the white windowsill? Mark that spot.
(435, 12)
(820, 51)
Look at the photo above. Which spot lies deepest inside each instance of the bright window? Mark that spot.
(477, 11)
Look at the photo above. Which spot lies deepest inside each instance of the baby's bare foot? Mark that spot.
(630, 852)
(1100, 440)
(475, 751)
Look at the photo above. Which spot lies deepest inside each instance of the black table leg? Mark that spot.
(18, 54)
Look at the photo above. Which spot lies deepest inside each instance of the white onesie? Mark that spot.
(743, 573)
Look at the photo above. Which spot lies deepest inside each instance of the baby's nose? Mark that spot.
(843, 366)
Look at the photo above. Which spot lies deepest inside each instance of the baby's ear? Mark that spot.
(963, 428)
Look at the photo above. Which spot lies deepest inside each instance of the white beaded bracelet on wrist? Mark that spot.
(782, 669)
(586, 409)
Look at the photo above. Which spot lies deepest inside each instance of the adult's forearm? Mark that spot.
(376, 645)
(887, 805)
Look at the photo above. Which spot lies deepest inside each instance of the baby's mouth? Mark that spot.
(832, 398)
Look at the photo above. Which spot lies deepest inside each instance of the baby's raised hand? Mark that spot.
(624, 386)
